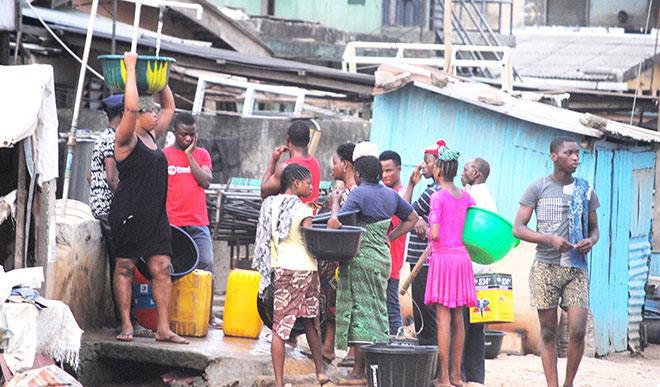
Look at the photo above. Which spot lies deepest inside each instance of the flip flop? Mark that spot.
(351, 382)
(215, 323)
(347, 362)
(140, 331)
(174, 338)
(324, 381)
(125, 336)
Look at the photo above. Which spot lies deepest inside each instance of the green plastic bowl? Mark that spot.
(487, 236)
(152, 73)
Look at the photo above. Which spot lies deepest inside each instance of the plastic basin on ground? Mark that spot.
(333, 244)
(487, 236)
(152, 73)
(395, 365)
(185, 256)
(493, 343)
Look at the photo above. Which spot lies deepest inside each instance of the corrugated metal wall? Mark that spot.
(640, 243)
(411, 119)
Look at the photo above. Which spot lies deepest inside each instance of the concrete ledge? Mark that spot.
(222, 360)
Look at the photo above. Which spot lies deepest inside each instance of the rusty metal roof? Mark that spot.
(215, 59)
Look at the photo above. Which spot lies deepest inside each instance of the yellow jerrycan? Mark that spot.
(190, 308)
(241, 318)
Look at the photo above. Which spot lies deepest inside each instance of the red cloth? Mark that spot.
(398, 246)
(186, 200)
(314, 167)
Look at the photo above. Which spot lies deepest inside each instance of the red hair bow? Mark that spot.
(434, 149)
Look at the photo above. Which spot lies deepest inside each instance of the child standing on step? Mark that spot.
(450, 284)
(279, 249)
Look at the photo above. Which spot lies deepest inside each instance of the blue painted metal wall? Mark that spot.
(411, 119)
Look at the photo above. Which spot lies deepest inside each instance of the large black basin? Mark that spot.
(333, 244)
(185, 256)
(348, 218)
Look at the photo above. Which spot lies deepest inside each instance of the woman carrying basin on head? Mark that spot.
(138, 217)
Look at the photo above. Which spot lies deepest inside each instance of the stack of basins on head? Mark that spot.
(152, 73)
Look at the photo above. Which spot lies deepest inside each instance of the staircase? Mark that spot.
(467, 13)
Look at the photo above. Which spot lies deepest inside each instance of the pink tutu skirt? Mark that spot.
(450, 280)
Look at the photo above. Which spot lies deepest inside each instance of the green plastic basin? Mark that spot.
(487, 236)
(152, 73)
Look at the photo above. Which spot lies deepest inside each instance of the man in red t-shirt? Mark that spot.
(296, 144)
(390, 162)
(189, 170)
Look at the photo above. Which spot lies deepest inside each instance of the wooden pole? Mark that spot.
(21, 201)
(447, 32)
(315, 137)
(415, 271)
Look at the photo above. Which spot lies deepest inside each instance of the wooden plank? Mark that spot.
(599, 283)
(21, 201)
(45, 253)
(447, 31)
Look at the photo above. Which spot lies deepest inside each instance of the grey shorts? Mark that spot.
(550, 284)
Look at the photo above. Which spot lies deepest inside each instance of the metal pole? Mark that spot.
(136, 27)
(113, 42)
(76, 108)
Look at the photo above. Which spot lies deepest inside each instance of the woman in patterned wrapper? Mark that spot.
(279, 248)
(342, 170)
(361, 290)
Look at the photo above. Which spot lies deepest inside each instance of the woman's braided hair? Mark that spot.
(447, 162)
(291, 173)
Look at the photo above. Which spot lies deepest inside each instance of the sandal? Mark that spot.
(125, 336)
(347, 362)
(215, 323)
(140, 331)
(173, 338)
(351, 382)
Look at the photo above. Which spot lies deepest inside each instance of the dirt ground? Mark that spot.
(615, 370)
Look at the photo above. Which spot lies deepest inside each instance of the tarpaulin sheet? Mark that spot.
(27, 108)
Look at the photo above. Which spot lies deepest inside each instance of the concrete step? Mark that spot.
(222, 360)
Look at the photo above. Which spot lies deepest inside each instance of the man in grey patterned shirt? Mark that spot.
(559, 276)
(103, 179)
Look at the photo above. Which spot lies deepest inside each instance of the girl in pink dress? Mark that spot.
(450, 284)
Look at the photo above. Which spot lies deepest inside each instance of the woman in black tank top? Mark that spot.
(138, 216)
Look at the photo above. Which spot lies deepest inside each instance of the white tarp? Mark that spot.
(27, 108)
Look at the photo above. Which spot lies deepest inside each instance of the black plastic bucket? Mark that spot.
(185, 256)
(493, 343)
(396, 365)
